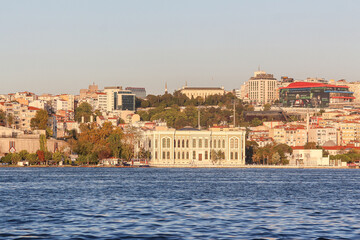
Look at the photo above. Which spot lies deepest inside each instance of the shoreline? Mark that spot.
(189, 166)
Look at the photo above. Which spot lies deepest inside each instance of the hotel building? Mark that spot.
(261, 88)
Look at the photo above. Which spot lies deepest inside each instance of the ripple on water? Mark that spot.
(91, 203)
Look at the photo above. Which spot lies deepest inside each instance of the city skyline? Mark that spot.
(62, 47)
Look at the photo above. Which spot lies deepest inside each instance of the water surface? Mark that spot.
(113, 203)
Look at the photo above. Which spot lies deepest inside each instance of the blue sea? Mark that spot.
(150, 203)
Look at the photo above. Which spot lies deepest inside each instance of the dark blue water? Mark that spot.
(114, 203)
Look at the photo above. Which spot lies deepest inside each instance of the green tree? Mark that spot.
(15, 158)
(32, 158)
(40, 120)
(276, 159)
(43, 141)
(23, 154)
(115, 144)
(267, 107)
(10, 120)
(84, 110)
(310, 145)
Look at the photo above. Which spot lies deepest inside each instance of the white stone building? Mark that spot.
(189, 146)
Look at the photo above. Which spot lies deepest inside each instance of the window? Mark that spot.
(179, 143)
(219, 144)
(232, 143)
(11, 144)
(206, 154)
(178, 155)
(168, 154)
(231, 155)
(187, 143)
(223, 144)
(194, 155)
(174, 155)
(183, 155)
(206, 143)
(236, 155)
(174, 143)
(194, 143)
(164, 142)
(200, 143)
(236, 143)
(163, 156)
(183, 143)
(168, 142)
(187, 155)
(149, 143)
(214, 143)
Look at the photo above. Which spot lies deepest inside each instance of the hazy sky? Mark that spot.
(62, 46)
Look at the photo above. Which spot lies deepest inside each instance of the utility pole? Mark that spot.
(234, 113)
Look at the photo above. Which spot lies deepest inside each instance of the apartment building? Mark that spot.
(261, 88)
(320, 135)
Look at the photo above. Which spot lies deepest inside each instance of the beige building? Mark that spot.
(203, 92)
(321, 135)
(261, 88)
(349, 131)
(308, 157)
(193, 147)
(293, 135)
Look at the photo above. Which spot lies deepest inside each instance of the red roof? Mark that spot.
(33, 108)
(310, 85)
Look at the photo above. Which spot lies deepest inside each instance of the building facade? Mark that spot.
(203, 92)
(314, 94)
(261, 88)
(190, 146)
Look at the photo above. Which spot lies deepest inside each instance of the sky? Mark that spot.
(63, 46)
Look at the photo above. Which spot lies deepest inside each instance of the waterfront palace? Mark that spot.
(189, 146)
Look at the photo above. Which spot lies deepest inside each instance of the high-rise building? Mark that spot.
(139, 92)
(119, 99)
(261, 88)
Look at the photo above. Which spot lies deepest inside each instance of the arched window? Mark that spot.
(236, 143)
(179, 143)
(187, 155)
(168, 142)
(232, 143)
(183, 143)
(183, 155)
(206, 154)
(168, 154)
(223, 144)
(187, 143)
(236, 155)
(219, 144)
(164, 142)
(178, 155)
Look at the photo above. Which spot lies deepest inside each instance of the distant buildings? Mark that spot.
(260, 89)
(314, 94)
(203, 92)
(139, 92)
